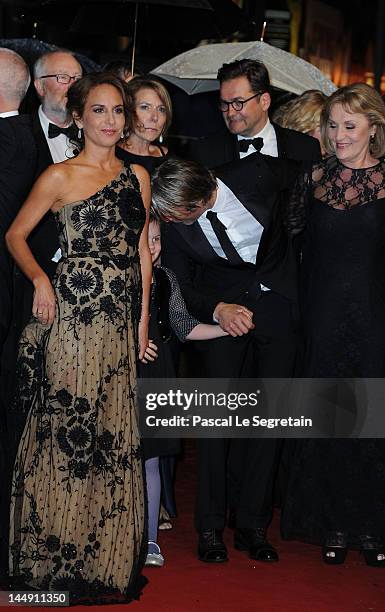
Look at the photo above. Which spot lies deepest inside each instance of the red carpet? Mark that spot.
(300, 582)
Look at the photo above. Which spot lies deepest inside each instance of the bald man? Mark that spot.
(17, 162)
(17, 172)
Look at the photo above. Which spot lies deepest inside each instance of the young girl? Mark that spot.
(169, 318)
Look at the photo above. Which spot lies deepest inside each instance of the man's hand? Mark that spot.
(235, 319)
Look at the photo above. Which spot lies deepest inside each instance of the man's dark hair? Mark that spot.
(120, 68)
(255, 72)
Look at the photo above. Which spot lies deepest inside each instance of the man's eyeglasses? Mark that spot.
(237, 105)
(62, 78)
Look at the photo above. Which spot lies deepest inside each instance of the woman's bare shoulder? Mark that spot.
(140, 172)
(59, 172)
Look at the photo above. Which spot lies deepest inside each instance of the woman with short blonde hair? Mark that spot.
(363, 99)
(336, 494)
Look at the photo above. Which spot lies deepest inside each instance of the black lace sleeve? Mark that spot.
(181, 321)
(295, 218)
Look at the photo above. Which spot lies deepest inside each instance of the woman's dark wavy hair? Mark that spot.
(79, 92)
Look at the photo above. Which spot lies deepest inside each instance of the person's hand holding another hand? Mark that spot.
(235, 319)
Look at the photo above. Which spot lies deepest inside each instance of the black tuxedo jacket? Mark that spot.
(206, 278)
(44, 240)
(17, 172)
(222, 147)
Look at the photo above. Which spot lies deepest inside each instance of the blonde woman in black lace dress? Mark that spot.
(336, 493)
(77, 515)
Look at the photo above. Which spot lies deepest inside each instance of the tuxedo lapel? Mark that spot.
(233, 147)
(44, 157)
(246, 179)
(281, 141)
(195, 238)
(251, 181)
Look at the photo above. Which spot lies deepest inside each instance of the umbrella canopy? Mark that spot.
(150, 20)
(195, 71)
(31, 49)
(157, 20)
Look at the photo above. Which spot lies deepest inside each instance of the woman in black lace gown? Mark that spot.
(336, 493)
(78, 511)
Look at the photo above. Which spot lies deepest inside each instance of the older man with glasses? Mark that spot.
(51, 127)
(54, 73)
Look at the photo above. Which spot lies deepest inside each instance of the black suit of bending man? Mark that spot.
(207, 279)
(223, 147)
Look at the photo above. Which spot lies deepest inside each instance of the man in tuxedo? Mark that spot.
(28, 145)
(54, 73)
(227, 245)
(17, 165)
(17, 168)
(244, 100)
(51, 127)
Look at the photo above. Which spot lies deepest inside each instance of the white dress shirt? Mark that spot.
(242, 228)
(269, 141)
(9, 114)
(60, 147)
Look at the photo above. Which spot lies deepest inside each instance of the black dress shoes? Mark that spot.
(335, 548)
(211, 548)
(256, 544)
(373, 551)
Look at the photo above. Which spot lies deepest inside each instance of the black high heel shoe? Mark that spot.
(335, 548)
(372, 551)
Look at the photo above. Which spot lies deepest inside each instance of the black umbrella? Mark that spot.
(31, 49)
(150, 20)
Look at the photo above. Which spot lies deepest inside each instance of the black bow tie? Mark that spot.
(244, 144)
(55, 130)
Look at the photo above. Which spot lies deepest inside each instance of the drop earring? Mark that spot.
(79, 133)
(161, 138)
(122, 135)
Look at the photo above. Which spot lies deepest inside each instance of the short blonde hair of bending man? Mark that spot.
(303, 113)
(363, 99)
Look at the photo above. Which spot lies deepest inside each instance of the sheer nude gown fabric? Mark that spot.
(77, 515)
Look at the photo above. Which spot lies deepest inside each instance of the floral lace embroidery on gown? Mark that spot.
(77, 515)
